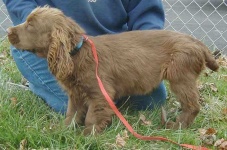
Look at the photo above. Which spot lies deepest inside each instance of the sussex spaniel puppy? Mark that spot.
(130, 63)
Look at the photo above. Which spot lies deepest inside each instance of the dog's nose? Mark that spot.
(9, 31)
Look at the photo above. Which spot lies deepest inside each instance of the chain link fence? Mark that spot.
(204, 19)
(4, 21)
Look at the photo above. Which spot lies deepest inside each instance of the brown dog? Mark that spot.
(131, 63)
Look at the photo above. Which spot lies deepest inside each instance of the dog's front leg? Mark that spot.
(71, 111)
(75, 109)
(98, 117)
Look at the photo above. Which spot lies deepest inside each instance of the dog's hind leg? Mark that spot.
(182, 72)
(188, 95)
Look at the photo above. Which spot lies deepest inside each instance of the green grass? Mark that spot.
(29, 118)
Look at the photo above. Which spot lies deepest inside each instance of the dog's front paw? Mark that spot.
(176, 125)
(89, 131)
(92, 130)
(172, 125)
(68, 121)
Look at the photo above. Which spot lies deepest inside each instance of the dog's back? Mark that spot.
(139, 60)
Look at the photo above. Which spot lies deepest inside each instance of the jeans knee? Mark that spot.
(41, 81)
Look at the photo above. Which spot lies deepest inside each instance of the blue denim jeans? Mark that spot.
(44, 84)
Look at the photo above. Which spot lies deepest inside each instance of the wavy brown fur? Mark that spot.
(131, 63)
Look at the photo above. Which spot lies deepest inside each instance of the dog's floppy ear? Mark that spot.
(59, 60)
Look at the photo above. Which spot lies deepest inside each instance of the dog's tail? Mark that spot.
(209, 58)
(210, 61)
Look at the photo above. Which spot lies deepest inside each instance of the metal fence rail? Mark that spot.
(204, 19)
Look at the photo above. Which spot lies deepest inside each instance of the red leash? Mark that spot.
(121, 117)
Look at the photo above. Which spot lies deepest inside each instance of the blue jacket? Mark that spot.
(98, 16)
